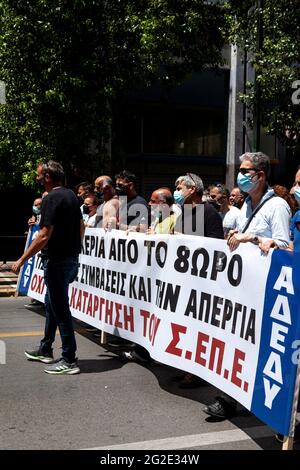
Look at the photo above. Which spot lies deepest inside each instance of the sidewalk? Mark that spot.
(8, 280)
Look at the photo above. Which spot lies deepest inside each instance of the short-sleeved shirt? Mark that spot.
(230, 219)
(136, 212)
(90, 220)
(166, 225)
(271, 221)
(60, 209)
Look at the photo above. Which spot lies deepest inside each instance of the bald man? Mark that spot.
(236, 197)
(162, 215)
(108, 212)
(36, 212)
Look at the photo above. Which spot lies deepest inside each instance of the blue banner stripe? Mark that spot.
(28, 265)
(276, 369)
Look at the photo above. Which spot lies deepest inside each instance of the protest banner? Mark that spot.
(231, 318)
(27, 268)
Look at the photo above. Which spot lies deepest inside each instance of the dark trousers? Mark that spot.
(58, 275)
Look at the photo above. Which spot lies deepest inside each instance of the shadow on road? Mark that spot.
(92, 366)
(204, 394)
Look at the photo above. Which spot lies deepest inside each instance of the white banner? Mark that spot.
(188, 300)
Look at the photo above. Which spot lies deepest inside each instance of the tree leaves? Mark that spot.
(65, 61)
(275, 55)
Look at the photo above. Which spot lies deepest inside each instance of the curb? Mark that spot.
(8, 280)
(7, 292)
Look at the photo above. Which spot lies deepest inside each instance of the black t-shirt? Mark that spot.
(135, 212)
(61, 209)
(195, 218)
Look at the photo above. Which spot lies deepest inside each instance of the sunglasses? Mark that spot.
(190, 176)
(244, 171)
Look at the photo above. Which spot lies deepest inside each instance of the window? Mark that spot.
(175, 131)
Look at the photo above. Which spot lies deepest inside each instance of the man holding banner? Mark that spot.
(264, 221)
(59, 239)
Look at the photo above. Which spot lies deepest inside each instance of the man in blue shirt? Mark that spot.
(263, 216)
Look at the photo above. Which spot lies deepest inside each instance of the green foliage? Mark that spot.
(65, 61)
(274, 49)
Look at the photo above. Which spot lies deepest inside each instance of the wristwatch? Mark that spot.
(255, 240)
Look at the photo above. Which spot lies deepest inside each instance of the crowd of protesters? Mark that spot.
(251, 212)
(236, 214)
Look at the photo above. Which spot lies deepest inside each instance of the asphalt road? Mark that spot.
(111, 405)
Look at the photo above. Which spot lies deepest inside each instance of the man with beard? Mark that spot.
(133, 212)
(133, 217)
(59, 239)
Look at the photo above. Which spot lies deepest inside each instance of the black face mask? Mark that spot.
(121, 190)
(99, 195)
(41, 183)
(85, 209)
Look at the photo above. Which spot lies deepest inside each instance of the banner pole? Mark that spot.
(103, 337)
(288, 441)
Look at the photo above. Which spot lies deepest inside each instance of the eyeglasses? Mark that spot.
(244, 171)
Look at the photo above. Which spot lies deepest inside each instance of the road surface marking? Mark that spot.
(194, 440)
(13, 334)
(16, 334)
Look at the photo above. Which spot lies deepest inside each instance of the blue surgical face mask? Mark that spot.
(245, 182)
(297, 194)
(36, 210)
(178, 197)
